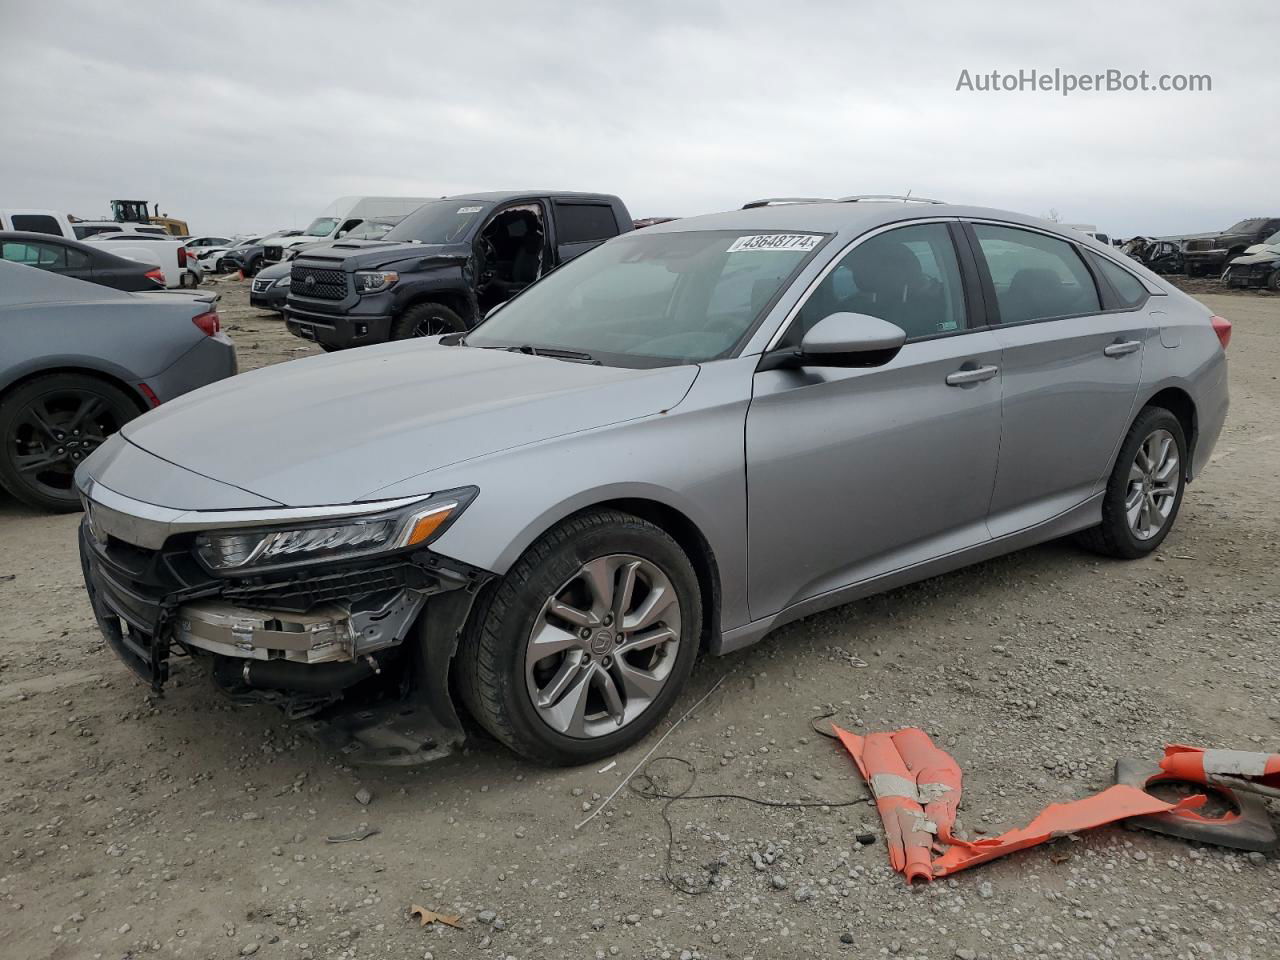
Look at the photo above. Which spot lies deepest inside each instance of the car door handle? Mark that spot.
(962, 377)
(1122, 348)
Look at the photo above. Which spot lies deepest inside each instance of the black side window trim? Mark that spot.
(1111, 301)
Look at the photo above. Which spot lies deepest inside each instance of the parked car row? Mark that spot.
(1246, 254)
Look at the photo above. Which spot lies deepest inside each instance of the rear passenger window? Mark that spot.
(582, 222)
(908, 276)
(1036, 277)
(47, 255)
(36, 223)
(1127, 287)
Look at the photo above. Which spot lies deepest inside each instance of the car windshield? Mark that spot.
(1273, 240)
(440, 221)
(1247, 226)
(321, 227)
(370, 230)
(646, 298)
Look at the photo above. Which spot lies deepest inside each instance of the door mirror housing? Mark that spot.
(851, 340)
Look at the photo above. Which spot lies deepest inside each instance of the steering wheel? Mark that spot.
(488, 261)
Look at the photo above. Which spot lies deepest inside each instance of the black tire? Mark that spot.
(1113, 537)
(491, 659)
(56, 400)
(1273, 281)
(426, 320)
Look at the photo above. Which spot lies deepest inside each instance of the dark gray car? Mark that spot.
(79, 360)
(667, 447)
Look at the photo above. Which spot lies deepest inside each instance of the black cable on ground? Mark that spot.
(645, 785)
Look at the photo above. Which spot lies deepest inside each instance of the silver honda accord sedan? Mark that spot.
(671, 445)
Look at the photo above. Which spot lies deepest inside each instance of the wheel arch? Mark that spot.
(1180, 403)
(671, 519)
(105, 376)
(455, 299)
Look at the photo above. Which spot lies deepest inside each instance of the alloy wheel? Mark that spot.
(603, 646)
(1154, 480)
(431, 326)
(54, 433)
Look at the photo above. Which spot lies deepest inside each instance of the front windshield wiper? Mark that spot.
(555, 353)
(575, 355)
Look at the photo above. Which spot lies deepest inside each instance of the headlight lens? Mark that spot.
(375, 281)
(284, 281)
(335, 538)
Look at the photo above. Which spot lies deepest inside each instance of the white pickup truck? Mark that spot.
(170, 254)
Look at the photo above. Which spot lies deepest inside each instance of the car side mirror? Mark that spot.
(851, 340)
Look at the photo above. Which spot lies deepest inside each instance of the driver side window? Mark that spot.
(908, 276)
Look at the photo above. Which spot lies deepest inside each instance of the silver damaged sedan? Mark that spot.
(673, 444)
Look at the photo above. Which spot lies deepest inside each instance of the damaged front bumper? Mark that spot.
(299, 638)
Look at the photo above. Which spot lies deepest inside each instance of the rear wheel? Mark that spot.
(1273, 281)
(426, 320)
(1145, 489)
(586, 642)
(48, 425)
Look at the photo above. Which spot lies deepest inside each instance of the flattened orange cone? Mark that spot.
(1241, 769)
(905, 768)
(908, 832)
(937, 777)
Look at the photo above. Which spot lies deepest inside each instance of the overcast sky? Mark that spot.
(241, 117)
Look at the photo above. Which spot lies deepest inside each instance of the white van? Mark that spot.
(341, 216)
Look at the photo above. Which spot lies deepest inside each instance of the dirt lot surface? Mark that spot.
(188, 828)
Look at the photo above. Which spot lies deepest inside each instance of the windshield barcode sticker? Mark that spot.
(462, 210)
(802, 242)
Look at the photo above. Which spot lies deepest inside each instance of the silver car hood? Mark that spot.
(339, 428)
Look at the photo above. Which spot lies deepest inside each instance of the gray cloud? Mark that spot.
(250, 115)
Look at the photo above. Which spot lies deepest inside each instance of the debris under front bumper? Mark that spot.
(323, 634)
(300, 641)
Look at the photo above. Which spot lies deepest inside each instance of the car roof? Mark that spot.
(499, 196)
(44, 237)
(20, 284)
(847, 218)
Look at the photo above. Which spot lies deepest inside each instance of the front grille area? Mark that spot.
(272, 253)
(318, 283)
(262, 286)
(1199, 245)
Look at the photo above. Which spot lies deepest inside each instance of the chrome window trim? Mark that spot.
(148, 525)
(835, 262)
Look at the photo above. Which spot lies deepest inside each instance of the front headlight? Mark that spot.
(375, 281)
(284, 281)
(334, 538)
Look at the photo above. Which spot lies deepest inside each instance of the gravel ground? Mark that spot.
(189, 828)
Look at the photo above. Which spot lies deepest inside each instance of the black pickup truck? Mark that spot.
(1211, 254)
(444, 266)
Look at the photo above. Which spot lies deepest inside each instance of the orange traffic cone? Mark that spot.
(1239, 769)
(908, 831)
(937, 777)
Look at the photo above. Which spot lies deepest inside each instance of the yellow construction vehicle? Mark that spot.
(137, 211)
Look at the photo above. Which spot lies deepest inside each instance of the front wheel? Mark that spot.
(1145, 489)
(586, 642)
(426, 320)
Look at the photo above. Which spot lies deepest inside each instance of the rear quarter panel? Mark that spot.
(127, 340)
(1188, 356)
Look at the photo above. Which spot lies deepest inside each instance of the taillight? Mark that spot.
(208, 322)
(1222, 327)
(182, 256)
(157, 275)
